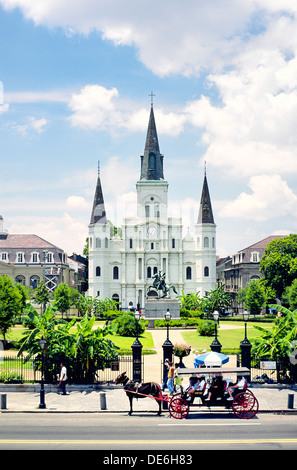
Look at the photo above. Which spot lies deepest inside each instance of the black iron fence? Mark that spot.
(15, 369)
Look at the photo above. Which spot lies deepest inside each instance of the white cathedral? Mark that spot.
(122, 267)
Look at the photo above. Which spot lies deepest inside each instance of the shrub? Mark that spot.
(206, 328)
(7, 377)
(125, 325)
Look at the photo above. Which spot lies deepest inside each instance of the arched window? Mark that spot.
(20, 280)
(206, 271)
(115, 272)
(34, 281)
(98, 271)
(98, 242)
(206, 242)
(155, 270)
(106, 242)
(116, 298)
(149, 272)
(189, 272)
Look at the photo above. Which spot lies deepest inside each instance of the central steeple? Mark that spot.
(152, 160)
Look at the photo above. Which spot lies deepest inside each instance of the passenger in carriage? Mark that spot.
(216, 389)
(240, 386)
(196, 384)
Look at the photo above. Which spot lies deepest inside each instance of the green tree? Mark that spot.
(42, 295)
(125, 325)
(290, 295)
(10, 304)
(41, 326)
(216, 299)
(279, 342)
(84, 304)
(255, 297)
(90, 349)
(191, 301)
(84, 348)
(279, 263)
(62, 296)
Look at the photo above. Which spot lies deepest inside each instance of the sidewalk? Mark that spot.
(271, 398)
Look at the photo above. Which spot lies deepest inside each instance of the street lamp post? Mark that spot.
(42, 344)
(216, 345)
(245, 345)
(136, 352)
(167, 347)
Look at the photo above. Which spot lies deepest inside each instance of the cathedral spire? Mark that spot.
(98, 212)
(152, 160)
(205, 215)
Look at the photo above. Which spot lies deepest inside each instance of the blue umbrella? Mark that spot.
(212, 358)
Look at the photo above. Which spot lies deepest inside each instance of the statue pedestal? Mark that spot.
(155, 309)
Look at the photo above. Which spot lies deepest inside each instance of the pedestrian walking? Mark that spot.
(63, 378)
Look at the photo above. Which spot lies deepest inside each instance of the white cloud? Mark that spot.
(98, 108)
(66, 232)
(170, 38)
(77, 203)
(3, 108)
(270, 197)
(94, 108)
(38, 96)
(33, 124)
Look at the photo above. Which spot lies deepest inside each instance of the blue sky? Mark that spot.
(76, 79)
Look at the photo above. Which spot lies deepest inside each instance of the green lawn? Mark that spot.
(228, 338)
(123, 342)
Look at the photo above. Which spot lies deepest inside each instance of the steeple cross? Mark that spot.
(152, 97)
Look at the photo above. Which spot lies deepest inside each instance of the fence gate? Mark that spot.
(123, 364)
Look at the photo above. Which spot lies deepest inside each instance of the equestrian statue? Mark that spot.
(159, 284)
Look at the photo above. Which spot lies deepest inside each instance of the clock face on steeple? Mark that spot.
(152, 231)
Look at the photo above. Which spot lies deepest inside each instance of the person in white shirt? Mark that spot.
(240, 385)
(63, 378)
(199, 386)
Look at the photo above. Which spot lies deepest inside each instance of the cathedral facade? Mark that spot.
(122, 265)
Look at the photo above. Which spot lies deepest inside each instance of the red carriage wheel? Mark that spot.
(178, 408)
(245, 405)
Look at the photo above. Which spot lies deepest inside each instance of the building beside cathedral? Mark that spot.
(122, 267)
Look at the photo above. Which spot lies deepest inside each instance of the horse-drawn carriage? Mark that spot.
(243, 403)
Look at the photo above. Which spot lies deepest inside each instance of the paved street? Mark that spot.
(117, 432)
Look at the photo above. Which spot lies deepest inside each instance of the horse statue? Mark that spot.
(136, 390)
(159, 284)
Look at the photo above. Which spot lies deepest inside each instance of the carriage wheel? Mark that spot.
(178, 408)
(245, 405)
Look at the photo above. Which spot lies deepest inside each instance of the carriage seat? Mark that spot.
(200, 393)
(236, 391)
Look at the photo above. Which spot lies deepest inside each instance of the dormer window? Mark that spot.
(20, 257)
(255, 257)
(4, 257)
(34, 258)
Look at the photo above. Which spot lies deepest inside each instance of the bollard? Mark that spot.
(3, 402)
(102, 401)
(290, 401)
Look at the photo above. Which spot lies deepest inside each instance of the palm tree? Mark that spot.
(216, 299)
